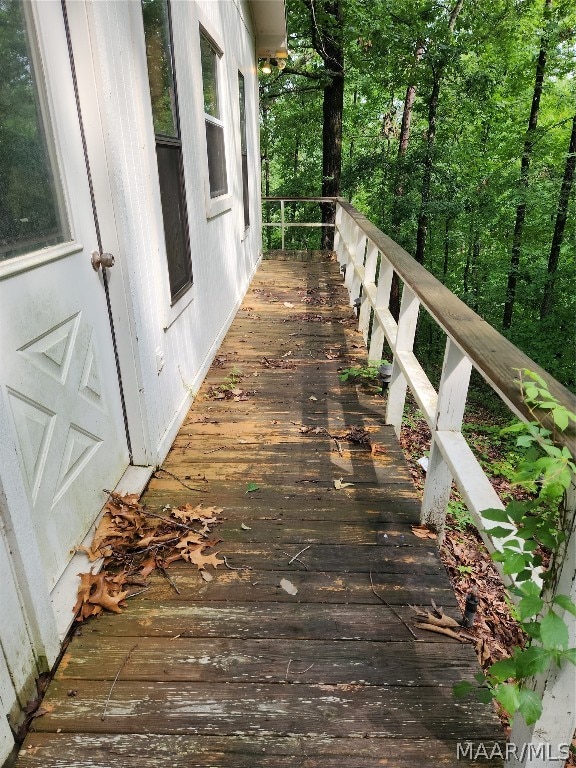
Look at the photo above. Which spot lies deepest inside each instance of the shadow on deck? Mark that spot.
(237, 673)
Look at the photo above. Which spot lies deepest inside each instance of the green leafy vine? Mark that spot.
(531, 530)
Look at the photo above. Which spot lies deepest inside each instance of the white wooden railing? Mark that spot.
(283, 223)
(369, 259)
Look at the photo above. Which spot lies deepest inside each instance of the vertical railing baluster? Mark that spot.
(282, 222)
(369, 281)
(378, 337)
(407, 321)
(452, 395)
(357, 246)
(345, 232)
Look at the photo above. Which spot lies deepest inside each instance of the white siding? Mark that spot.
(223, 258)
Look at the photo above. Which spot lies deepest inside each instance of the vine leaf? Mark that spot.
(553, 632)
(529, 606)
(508, 694)
(530, 706)
(503, 669)
(564, 602)
(531, 661)
(462, 689)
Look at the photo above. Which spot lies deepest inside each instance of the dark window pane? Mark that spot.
(245, 193)
(175, 218)
(209, 59)
(163, 95)
(160, 68)
(31, 210)
(244, 149)
(216, 159)
(242, 96)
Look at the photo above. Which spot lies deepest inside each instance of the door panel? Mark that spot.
(58, 368)
(62, 391)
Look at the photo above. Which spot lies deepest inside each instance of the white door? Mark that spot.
(58, 371)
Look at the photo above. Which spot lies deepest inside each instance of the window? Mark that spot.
(164, 98)
(31, 207)
(244, 149)
(210, 57)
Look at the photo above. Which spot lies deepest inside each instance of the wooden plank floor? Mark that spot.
(237, 673)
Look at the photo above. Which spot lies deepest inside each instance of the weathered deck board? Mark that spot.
(222, 660)
(88, 750)
(241, 709)
(237, 673)
(313, 587)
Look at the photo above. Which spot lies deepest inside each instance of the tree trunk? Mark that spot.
(514, 270)
(430, 140)
(428, 167)
(331, 154)
(327, 26)
(409, 100)
(560, 225)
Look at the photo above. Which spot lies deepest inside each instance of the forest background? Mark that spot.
(452, 126)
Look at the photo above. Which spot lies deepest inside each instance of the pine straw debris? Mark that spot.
(135, 542)
(353, 434)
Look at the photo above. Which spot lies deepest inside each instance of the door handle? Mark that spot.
(101, 260)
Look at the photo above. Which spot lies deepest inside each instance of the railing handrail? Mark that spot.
(270, 198)
(492, 354)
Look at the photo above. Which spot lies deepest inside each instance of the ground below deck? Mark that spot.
(237, 673)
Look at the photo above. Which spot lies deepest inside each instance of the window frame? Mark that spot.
(174, 143)
(223, 202)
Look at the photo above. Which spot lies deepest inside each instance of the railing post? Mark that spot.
(369, 281)
(282, 221)
(538, 745)
(352, 281)
(407, 321)
(452, 395)
(344, 239)
(337, 227)
(385, 275)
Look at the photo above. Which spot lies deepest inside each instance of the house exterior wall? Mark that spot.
(174, 343)
(164, 351)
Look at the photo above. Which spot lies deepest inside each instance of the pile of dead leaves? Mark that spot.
(470, 567)
(135, 542)
(357, 435)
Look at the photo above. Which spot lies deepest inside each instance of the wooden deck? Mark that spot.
(237, 673)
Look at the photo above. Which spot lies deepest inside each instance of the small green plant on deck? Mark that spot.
(527, 527)
(232, 380)
(363, 373)
(462, 519)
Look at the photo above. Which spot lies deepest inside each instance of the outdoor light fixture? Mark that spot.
(272, 61)
(384, 375)
(357, 305)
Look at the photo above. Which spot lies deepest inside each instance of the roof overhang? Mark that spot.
(269, 18)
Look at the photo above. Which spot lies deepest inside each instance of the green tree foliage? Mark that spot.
(484, 67)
